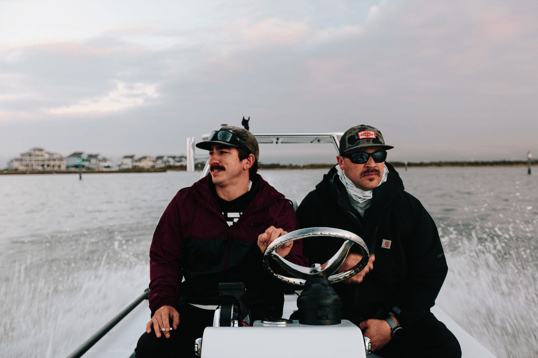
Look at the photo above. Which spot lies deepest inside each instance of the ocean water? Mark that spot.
(73, 253)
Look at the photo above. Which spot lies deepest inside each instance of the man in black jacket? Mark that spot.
(391, 299)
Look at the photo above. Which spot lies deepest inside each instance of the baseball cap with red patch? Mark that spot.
(362, 136)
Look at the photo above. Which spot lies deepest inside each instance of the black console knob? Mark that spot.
(319, 304)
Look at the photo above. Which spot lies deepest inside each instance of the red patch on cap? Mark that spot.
(366, 134)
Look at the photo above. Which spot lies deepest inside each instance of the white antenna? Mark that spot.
(190, 154)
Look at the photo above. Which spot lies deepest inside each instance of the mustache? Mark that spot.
(370, 171)
(216, 167)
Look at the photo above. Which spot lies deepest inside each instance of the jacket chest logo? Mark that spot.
(231, 217)
(386, 244)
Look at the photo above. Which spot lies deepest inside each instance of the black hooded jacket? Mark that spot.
(410, 265)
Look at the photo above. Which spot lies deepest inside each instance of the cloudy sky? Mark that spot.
(443, 80)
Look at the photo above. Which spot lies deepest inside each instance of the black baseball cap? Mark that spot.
(362, 136)
(234, 137)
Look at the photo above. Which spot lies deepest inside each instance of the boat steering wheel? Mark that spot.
(302, 274)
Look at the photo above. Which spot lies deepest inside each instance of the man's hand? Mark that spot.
(161, 321)
(378, 331)
(269, 236)
(353, 259)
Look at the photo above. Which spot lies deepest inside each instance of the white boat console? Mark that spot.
(283, 339)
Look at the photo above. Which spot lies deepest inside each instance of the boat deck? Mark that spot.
(122, 339)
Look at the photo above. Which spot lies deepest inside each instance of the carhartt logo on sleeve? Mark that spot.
(366, 134)
(386, 244)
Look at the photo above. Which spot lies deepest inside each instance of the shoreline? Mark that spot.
(478, 163)
(276, 166)
(448, 164)
(69, 171)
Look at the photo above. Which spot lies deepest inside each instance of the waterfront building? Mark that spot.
(38, 159)
(15, 164)
(72, 160)
(127, 162)
(89, 161)
(97, 162)
(170, 161)
(145, 162)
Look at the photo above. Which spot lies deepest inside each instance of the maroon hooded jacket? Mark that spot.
(193, 241)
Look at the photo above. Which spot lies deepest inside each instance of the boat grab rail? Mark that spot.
(84, 347)
(289, 138)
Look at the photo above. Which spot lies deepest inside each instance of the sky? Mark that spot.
(442, 80)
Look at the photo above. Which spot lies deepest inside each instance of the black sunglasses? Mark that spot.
(223, 135)
(362, 157)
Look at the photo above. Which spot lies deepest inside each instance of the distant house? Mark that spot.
(97, 162)
(162, 161)
(170, 161)
(180, 160)
(145, 162)
(15, 164)
(89, 161)
(72, 160)
(38, 159)
(127, 162)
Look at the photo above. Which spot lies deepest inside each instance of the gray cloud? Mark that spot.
(442, 80)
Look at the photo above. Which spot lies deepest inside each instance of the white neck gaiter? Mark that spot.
(360, 199)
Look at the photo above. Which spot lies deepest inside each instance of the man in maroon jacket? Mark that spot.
(213, 232)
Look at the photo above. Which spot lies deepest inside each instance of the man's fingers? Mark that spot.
(371, 261)
(175, 319)
(270, 235)
(156, 328)
(161, 321)
(269, 231)
(263, 239)
(351, 261)
(276, 233)
(164, 321)
(148, 326)
(285, 249)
